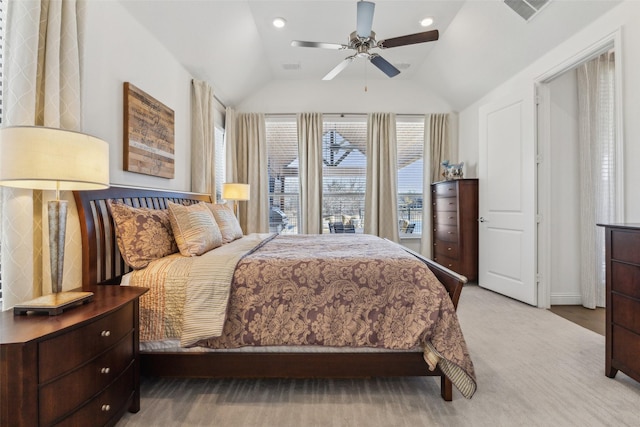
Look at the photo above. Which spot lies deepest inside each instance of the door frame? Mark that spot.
(542, 128)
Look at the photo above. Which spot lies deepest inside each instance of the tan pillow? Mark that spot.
(143, 234)
(227, 221)
(194, 228)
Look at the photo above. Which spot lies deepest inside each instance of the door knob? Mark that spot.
(481, 219)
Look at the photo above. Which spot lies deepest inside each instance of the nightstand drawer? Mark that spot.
(70, 350)
(447, 233)
(450, 263)
(445, 189)
(84, 382)
(445, 218)
(625, 279)
(626, 348)
(105, 406)
(626, 312)
(447, 204)
(624, 246)
(446, 249)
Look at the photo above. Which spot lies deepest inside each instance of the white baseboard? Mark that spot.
(566, 299)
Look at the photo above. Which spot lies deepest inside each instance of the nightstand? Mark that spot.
(79, 368)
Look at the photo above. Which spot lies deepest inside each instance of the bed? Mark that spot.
(103, 265)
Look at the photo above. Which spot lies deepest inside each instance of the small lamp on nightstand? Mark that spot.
(236, 192)
(42, 158)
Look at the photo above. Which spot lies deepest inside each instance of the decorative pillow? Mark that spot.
(143, 234)
(194, 228)
(227, 221)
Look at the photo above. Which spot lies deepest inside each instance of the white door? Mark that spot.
(507, 255)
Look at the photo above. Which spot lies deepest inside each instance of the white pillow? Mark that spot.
(227, 222)
(194, 228)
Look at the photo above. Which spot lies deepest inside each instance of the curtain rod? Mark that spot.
(343, 114)
(219, 102)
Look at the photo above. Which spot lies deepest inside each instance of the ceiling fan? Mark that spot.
(363, 39)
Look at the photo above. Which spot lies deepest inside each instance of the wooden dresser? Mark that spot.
(79, 368)
(623, 300)
(455, 225)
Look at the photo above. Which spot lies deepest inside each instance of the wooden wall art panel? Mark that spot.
(148, 134)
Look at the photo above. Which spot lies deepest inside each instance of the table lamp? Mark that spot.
(236, 192)
(43, 158)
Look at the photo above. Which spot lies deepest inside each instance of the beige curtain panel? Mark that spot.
(250, 147)
(203, 178)
(310, 172)
(597, 142)
(381, 195)
(436, 149)
(42, 87)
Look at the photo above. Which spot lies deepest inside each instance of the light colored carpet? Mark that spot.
(533, 369)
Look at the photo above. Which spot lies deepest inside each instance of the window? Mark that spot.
(220, 160)
(284, 183)
(344, 167)
(344, 172)
(2, 8)
(410, 137)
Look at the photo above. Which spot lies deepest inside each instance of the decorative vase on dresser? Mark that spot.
(455, 225)
(79, 368)
(622, 242)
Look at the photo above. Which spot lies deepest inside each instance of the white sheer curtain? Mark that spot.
(381, 195)
(203, 178)
(41, 87)
(436, 149)
(597, 138)
(310, 171)
(247, 155)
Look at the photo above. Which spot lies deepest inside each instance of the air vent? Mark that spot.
(291, 67)
(527, 9)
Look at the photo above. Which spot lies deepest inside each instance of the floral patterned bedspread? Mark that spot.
(340, 291)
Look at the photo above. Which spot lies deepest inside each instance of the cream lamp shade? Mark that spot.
(42, 158)
(52, 159)
(235, 191)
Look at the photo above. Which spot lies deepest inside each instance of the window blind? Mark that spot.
(284, 182)
(344, 144)
(410, 139)
(220, 163)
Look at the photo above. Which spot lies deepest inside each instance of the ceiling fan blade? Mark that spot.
(341, 66)
(427, 36)
(365, 18)
(335, 46)
(384, 65)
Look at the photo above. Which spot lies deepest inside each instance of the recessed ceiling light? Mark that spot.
(279, 22)
(426, 22)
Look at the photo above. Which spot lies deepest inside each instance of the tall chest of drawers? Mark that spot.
(79, 368)
(455, 225)
(623, 300)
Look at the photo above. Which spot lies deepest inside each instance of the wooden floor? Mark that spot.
(585, 317)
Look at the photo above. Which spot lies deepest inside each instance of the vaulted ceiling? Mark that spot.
(233, 45)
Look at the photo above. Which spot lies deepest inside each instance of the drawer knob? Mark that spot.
(449, 232)
(448, 249)
(105, 408)
(450, 217)
(105, 370)
(105, 333)
(449, 265)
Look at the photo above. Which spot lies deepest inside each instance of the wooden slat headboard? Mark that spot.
(101, 259)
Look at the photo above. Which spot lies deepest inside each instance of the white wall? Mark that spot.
(118, 49)
(344, 96)
(565, 189)
(626, 18)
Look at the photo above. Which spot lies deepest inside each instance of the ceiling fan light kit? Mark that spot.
(363, 39)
